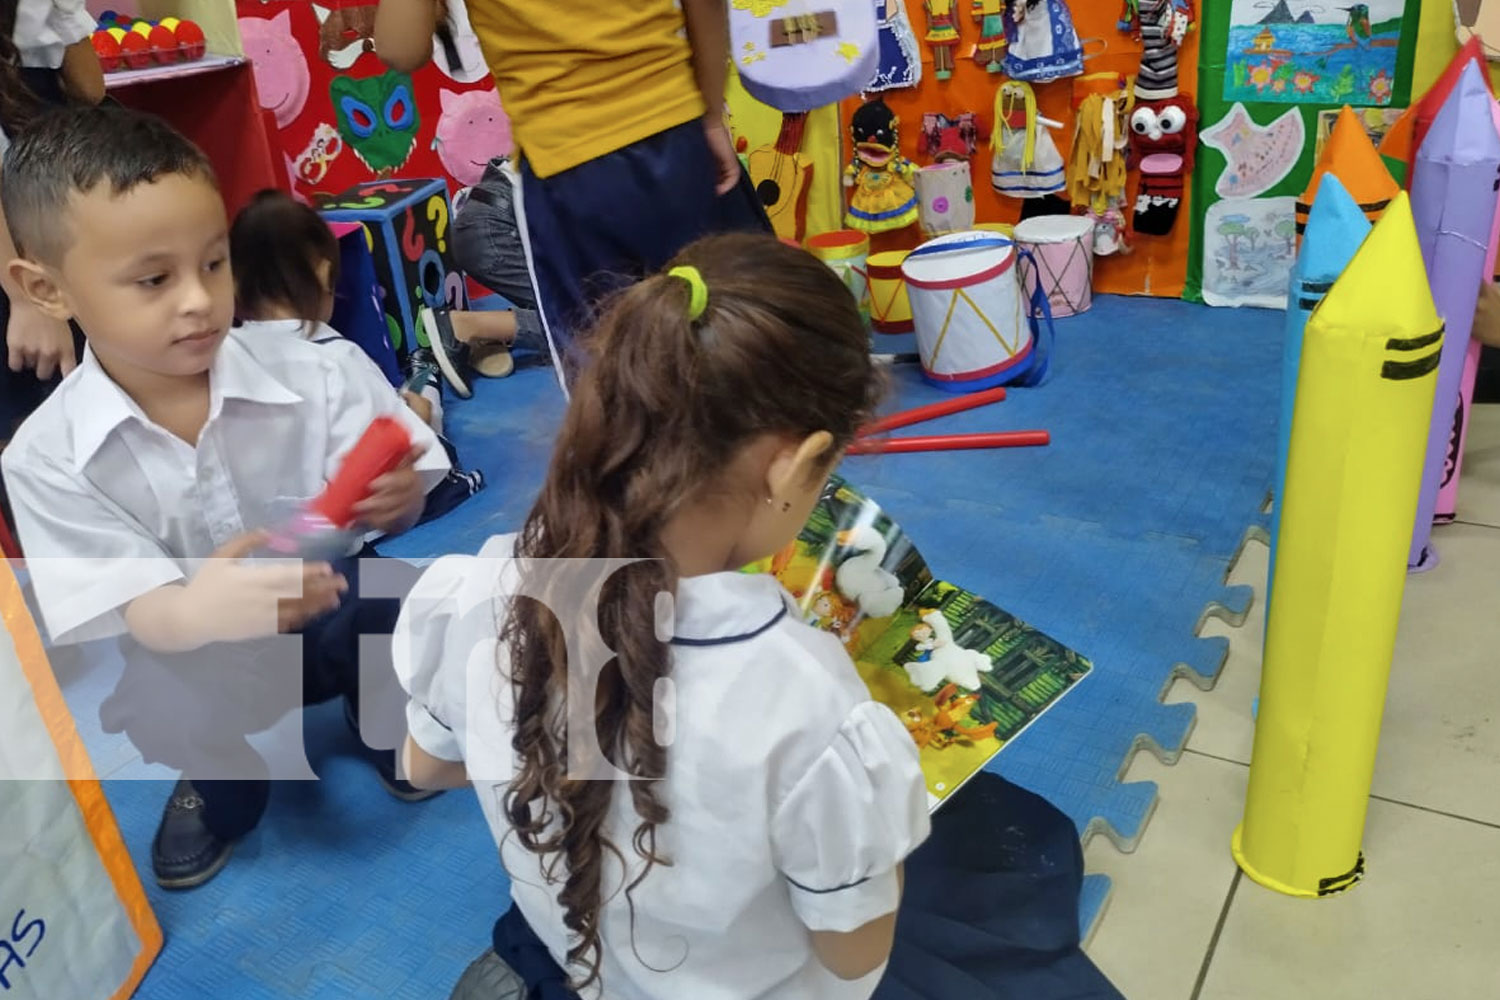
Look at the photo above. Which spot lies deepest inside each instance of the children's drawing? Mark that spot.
(1377, 122)
(1259, 155)
(1313, 51)
(1249, 245)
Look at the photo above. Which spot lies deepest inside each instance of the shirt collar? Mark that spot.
(722, 608)
(97, 405)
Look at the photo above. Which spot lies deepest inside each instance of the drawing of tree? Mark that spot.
(1252, 234)
(1232, 228)
(1287, 230)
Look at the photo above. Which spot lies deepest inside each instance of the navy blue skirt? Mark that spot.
(990, 909)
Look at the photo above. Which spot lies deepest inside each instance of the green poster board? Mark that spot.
(1214, 105)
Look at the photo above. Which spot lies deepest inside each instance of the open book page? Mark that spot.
(965, 676)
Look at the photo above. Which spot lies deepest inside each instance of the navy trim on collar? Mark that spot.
(824, 892)
(678, 640)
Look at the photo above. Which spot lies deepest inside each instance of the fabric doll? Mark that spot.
(883, 197)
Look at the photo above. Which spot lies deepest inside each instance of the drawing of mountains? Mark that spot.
(1307, 18)
(1282, 14)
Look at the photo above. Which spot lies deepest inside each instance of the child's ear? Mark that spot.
(38, 284)
(799, 463)
(324, 271)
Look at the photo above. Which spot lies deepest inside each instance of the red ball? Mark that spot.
(137, 50)
(164, 44)
(108, 50)
(190, 40)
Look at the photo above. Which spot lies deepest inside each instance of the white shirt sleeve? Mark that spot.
(855, 815)
(45, 28)
(87, 560)
(420, 648)
(359, 394)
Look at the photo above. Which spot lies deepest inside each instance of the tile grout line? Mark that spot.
(1436, 812)
(1379, 798)
(1214, 756)
(1475, 524)
(1213, 942)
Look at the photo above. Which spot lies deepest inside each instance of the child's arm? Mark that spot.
(403, 32)
(1487, 315)
(431, 773)
(82, 75)
(858, 953)
(708, 34)
(227, 601)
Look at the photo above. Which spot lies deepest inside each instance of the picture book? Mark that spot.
(964, 676)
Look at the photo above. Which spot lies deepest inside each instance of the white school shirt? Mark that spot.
(313, 333)
(45, 28)
(109, 506)
(793, 796)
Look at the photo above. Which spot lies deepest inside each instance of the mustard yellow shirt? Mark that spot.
(582, 78)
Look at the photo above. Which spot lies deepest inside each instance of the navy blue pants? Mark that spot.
(606, 223)
(193, 711)
(990, 909)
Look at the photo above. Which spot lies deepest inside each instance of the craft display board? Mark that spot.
(343, 118)
(1156, 264)
(1258, 154)
(74, 920)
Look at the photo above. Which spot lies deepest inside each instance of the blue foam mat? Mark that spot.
(1114, 540)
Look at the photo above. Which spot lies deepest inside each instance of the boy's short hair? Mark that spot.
(75, 149)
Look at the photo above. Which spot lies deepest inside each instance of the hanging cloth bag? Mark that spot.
(1026, 163)
(1044, 44)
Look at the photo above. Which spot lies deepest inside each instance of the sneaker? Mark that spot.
(384, 763)
(452, 356)
(184, 854)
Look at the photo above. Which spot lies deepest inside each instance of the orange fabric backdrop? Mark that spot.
(1156, 265)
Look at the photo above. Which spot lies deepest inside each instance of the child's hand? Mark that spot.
(395, 500)
(1487, 315)
(230, 600)
(322, 589)
(419, 405)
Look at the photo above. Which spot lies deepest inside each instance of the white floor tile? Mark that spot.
(1168, 894)
(1423, 925)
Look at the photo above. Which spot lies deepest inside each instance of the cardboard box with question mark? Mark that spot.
(406, 223)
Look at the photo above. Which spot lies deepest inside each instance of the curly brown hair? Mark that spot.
(656, 418)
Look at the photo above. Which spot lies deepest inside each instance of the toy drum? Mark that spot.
(1005, 229)
(890, 308)
(945, 198)
(1063, 246)
(846, 251)
(971, 323)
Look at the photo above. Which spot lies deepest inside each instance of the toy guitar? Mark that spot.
(782, 175)
(797, 55)
(324, 528)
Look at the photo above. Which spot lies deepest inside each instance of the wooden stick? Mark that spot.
(916, 415)
(950, 442)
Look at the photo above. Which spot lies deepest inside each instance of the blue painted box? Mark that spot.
(406, 227)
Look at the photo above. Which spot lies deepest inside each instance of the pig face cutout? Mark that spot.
(280, 67)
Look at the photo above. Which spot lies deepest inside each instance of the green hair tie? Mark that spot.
(697, 290)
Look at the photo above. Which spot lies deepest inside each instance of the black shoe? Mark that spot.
(451, 354)
(384, 763)
(185, 854)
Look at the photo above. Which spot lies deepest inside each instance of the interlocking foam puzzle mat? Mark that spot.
(1116, 540)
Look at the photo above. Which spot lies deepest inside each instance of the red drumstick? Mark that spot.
(950, 442)
(916, 415)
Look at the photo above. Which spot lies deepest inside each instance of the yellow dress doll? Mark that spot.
(883, 197)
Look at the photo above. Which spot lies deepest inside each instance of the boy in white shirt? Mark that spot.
(174, 440)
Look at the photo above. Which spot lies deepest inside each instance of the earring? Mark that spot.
(786, 506)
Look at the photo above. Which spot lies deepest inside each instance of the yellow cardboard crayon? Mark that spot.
(1359, 436)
